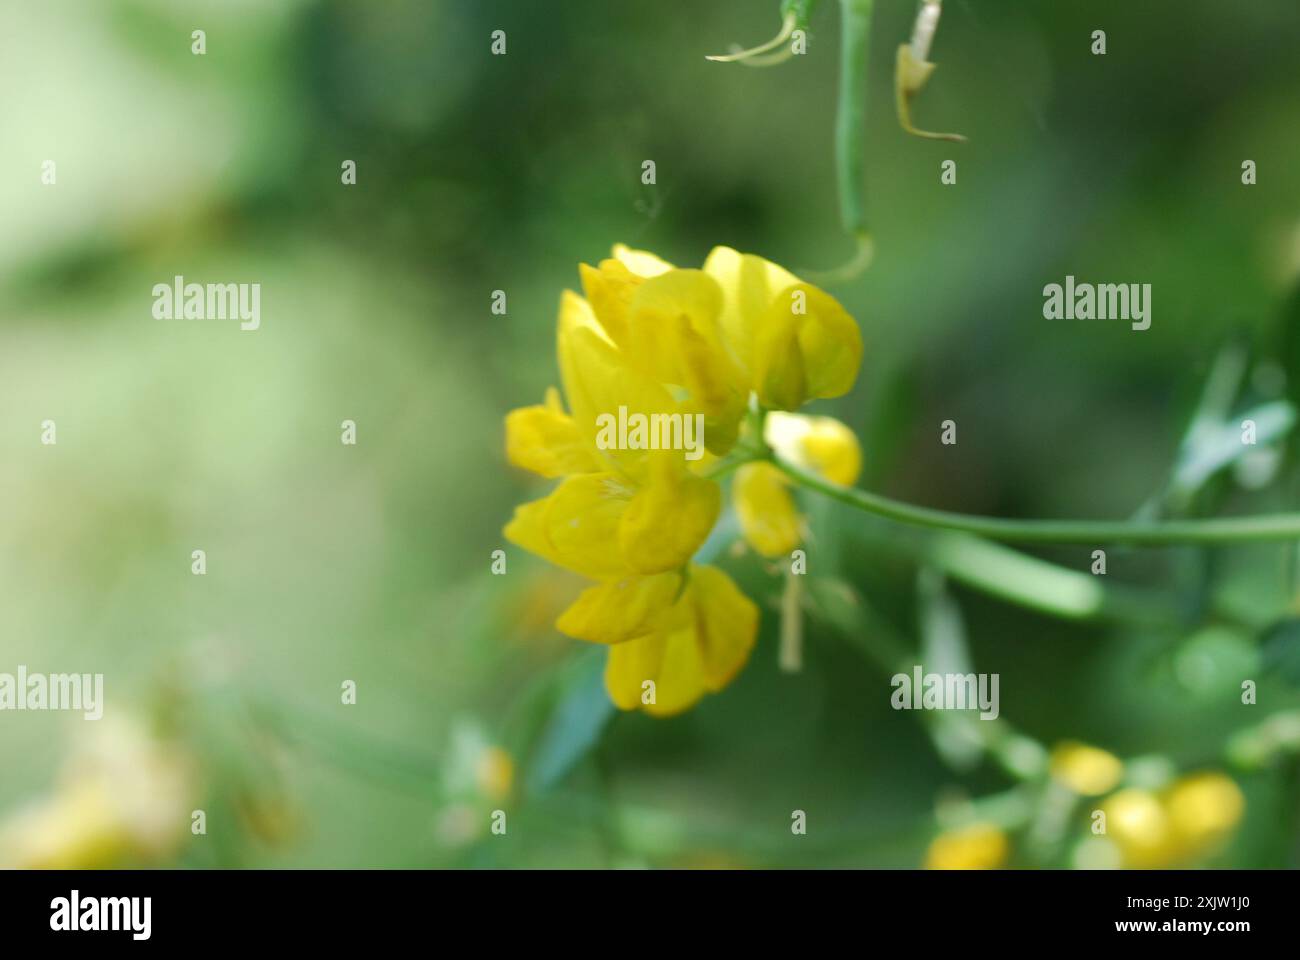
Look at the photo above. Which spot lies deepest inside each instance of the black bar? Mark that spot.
(235, 908)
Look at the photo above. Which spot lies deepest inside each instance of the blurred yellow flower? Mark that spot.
(495, 773)
(125, 797)
(477, 776)
(1136, 822)
(1088, 771)
(1204, 808)
(77, 828)
(979, 846)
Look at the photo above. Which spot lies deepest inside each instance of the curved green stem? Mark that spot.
(788, 23)
(1277, 526)
(853, 268)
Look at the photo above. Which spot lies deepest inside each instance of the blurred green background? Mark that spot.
(477, 172)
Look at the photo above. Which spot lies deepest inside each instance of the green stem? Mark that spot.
(1036, 584)
(1278, 526)
(850, 118)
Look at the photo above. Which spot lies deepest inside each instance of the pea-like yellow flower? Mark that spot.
(651, 340)
(979, 846)
(765, 507)
(1088, 771)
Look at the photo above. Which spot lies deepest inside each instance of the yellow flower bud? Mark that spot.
(1088, 771)
(821, 444)
(766, 511)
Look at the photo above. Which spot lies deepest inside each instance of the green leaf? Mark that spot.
(575, 726)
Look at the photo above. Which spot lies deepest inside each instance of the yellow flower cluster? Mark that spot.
(651, 339)
(1149, 828)
(1187, 820)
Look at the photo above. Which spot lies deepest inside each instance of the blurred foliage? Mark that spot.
(477, 173)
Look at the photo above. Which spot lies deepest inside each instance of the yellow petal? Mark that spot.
(609, 288)
(589, 362)
(768, 517)
(680, 680)
(675, 333)
(547, 441)
(697, 647)
(671, 661)
(806, 347)
(621, 610)
(674, 337)
(726, 625)
(669, 517)
(640, 262)
(576, 526)
(630, 666)
(597, 379)
(749, 285)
